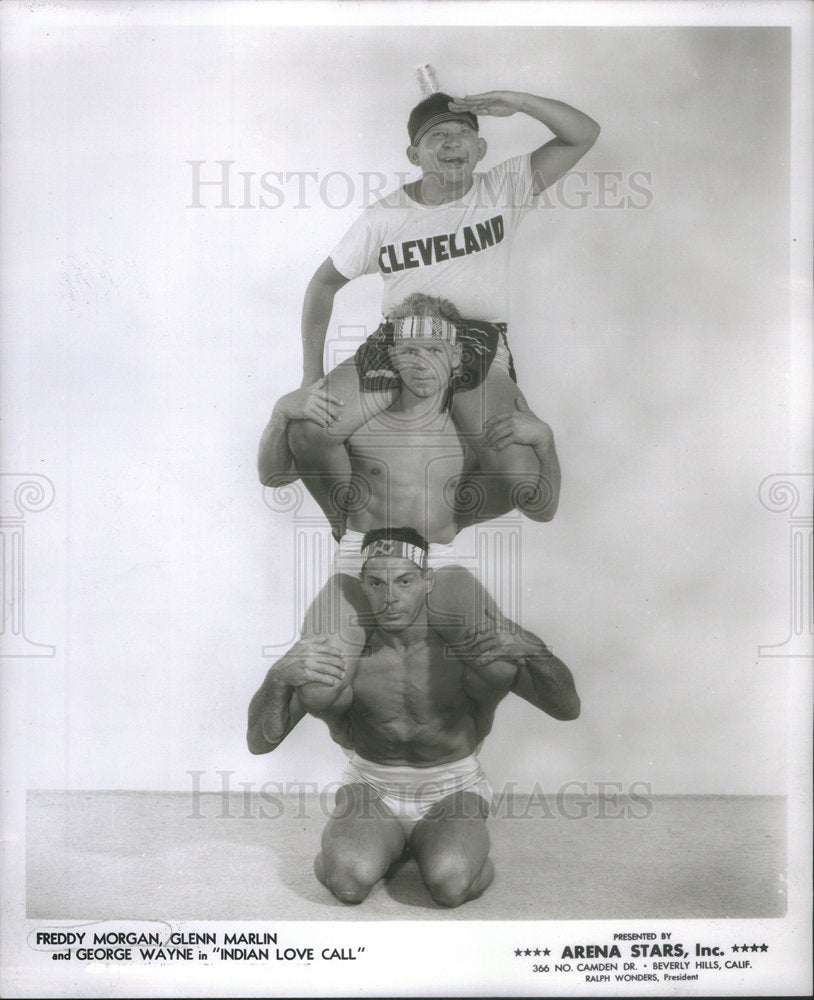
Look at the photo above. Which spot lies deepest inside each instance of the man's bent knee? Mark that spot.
(449, 882)
(349, 890)
(350, 878)
(515, 472)
(517, 460)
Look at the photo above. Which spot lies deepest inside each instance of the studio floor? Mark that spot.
(157, 856)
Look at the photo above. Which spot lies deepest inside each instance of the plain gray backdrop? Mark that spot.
(147, 340)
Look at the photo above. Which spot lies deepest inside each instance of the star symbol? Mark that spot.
(518, 952)
(536, 951)
(735, 948)
(755, 948)
(764, 947)
(528, 951)
(744, 947)
(546, 951)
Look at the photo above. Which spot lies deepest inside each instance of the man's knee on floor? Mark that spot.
(448, 879)
(350, 877)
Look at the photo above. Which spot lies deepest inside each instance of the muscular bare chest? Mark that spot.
(421, 688)
(414, 455)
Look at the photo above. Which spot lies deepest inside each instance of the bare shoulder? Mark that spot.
(443, 660)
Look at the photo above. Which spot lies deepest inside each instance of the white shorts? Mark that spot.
(410, 792)
(348, 555)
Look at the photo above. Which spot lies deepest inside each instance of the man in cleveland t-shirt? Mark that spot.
(447, 234)
(457, 250)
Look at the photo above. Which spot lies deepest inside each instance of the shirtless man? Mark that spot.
(411, 720)
(409, 464)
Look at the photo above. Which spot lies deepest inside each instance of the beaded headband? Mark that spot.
(398, 548)
(424, 328)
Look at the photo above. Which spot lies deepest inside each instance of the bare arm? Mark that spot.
(549, 481)
(574, 132)
(310, 674)
(316, 315)
(273, 712)
(544, 681)
(540, 498)
(487, 684)
(521, 426)
(541, 678)
(275, 463)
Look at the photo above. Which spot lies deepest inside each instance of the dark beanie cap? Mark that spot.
(432, 111)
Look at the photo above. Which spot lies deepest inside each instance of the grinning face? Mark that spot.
(450, 151)
(396, 590)
(425, 366)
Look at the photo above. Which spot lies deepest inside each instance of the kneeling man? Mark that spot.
(411, 719)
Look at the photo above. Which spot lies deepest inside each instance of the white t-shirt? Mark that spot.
(459, 251)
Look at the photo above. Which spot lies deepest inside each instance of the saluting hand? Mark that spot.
(498, 103)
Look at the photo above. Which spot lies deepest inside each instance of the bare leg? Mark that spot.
(451, 846)
(457, 603)
(339, 613)
(508, 478)
(361, 841)
(320, 454)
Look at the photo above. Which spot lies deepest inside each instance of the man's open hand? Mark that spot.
(311, 661)
(498, 103)
(518, 426)
(498, 638)
(312, 402)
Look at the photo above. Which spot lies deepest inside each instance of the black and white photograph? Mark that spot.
(406, 498)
